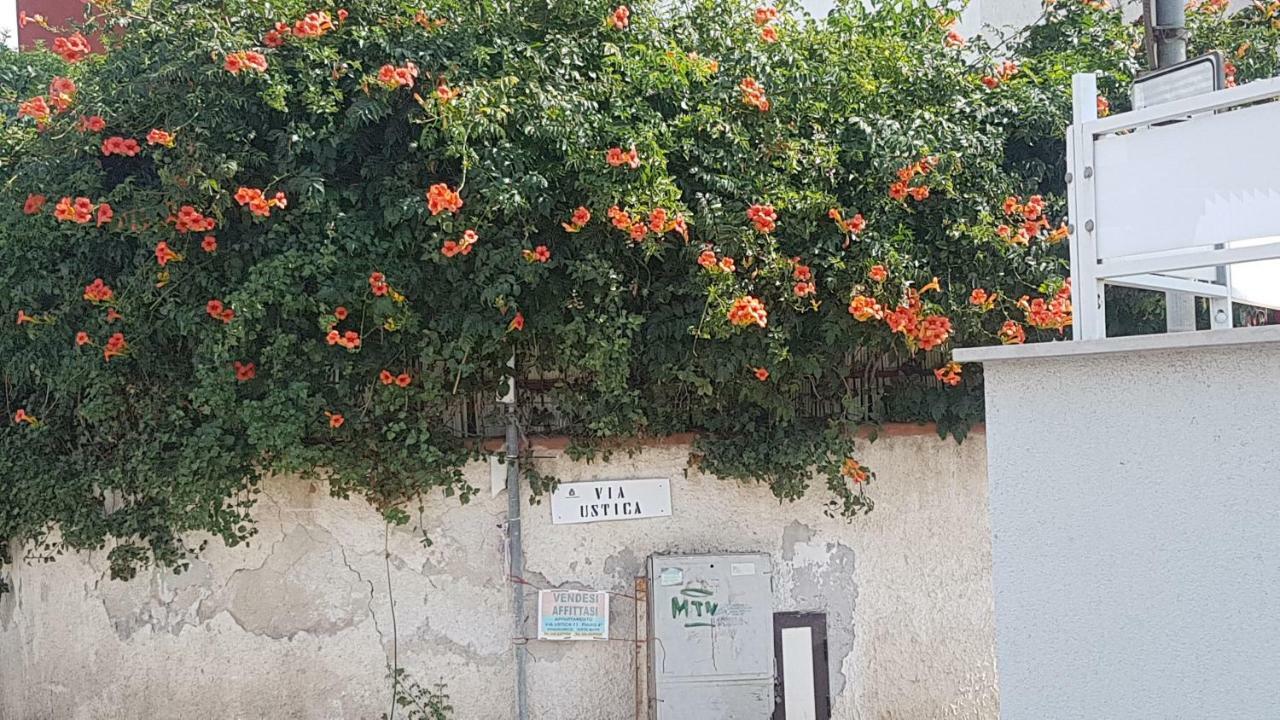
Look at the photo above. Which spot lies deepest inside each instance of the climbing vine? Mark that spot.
(245, 238)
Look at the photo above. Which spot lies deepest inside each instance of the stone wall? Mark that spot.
(298, 624)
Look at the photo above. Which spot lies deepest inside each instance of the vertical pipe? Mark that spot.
(1170, 35)
(1170, 32)
(642, 648)
(515, 548)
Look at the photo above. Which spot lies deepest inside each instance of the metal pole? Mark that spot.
(1169, 37)
(1170, 30)
(515, 547)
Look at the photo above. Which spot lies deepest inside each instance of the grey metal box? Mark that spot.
(711, 636)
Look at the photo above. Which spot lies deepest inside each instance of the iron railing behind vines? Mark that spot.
(481, 415)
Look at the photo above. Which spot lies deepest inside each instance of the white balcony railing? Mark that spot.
(1170, 197)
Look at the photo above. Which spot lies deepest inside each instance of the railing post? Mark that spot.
(1087, 292)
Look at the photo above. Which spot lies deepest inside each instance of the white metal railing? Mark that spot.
(1169, 197)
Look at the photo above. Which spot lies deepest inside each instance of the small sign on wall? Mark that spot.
(584, 502)
(573, 615)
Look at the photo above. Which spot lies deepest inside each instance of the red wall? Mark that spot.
(56, 12)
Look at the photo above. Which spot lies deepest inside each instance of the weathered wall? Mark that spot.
(298, 624)
(1134, 503)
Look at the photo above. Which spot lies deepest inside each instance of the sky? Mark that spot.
(818, 8)
(9, 22)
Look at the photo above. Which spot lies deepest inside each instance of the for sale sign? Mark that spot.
(573, 615)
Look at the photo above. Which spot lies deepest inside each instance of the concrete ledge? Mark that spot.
(1136, 343)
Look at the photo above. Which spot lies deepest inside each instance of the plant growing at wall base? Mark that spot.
(418, 702)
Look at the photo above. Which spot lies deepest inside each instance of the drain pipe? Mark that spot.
(515, 545)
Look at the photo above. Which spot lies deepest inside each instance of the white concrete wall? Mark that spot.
(1135, 505)
(993, 18)
(298, 624)
(9, 23)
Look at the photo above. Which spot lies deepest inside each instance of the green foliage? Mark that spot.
(784, 458)
(418, 702)
(952, 410)
(539, 483)
(632, 338)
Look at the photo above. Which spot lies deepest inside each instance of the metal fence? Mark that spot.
(481, 415)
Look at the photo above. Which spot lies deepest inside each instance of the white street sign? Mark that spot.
(1187, 79)
(584, 502)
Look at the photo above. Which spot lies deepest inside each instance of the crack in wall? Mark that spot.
(234, 573)
(373, 615)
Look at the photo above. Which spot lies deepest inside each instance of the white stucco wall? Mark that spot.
(1135, 505)
(993, 18)
(298, 624)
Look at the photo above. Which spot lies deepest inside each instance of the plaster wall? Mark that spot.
(298, 624)
(1135, 502)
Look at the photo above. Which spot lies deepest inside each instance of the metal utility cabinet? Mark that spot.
(711, 637)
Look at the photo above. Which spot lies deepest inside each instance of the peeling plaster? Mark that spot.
(624, 567)
(8, 606)
(820, 577)
(298, 623)
(795, 532)
(298, 589)
(161, 602)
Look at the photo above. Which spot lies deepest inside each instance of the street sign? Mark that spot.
(1186, 79)
(584, 502)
